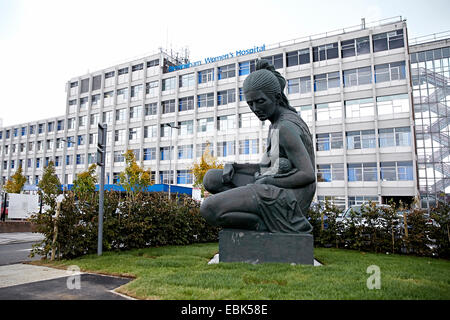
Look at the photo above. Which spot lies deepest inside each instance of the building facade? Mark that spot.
(352, 88)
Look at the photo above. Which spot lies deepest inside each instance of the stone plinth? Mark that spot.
(237, 245)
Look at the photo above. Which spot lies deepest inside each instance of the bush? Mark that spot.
(147, 220)
(384, 230)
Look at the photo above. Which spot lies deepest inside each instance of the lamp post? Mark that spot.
(170, 153)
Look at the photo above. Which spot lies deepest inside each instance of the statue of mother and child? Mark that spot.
(273, 195)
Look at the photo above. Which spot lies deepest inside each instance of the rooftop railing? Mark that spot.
(429, 38)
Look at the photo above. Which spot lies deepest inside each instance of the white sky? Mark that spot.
(44, 43)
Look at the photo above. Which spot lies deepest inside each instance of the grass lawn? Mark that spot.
(182, 272)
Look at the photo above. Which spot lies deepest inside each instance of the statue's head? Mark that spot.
(263, 90)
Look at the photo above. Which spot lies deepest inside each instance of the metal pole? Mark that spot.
(100, 210)
(170, 158)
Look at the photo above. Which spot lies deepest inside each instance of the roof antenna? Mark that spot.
(363, 23)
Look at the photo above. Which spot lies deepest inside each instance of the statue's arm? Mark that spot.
(296, 152)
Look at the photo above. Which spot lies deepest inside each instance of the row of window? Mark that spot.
(389, 137)
(353, 77)
(367, 171)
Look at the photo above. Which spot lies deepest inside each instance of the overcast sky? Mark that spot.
(44, 43)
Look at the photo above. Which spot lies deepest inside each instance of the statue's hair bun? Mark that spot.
(264, 64)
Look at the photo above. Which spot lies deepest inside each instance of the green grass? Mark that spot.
(182, 272)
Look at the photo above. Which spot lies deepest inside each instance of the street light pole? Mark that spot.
(170, 154)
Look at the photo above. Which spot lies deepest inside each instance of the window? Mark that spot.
(81, 140)
(297, 57)
(151, 88)
(359, 108)
(70, 142)
(74, 84)
(186, 128)
(134, 134)
(396, 171)
(119, 136)
(151, 131)
(226, 96)
(121, 114)
(166, 131)
(359, 200)
(165, 153)
(119, 156)
(136, 92)
(40, 128)
(92, 158)
(137, 67)
(93, 138)
(107, 117)
(123, 71)
(249, 146)
(206, 76)
(228, 71)
(96, 82)
(151, 109)
(355, 47)
(136, 112)
(328, 111)
(388, 41)
(225, 123)
(84, 85)
(328, 141)
(94, 119)
(49, 145)
(108, 98)
(109, 78)
(276, 60)
(185, 152)
(205, 125)
(122, 95)
(246, 67)
(186, 80)
(248, 120)
(80, 159)
(393, 104)
(299, 85)
(169, 84)
(166, 177)
(390, 71)
(360, 139)
(226, 148)
(38, 162)
(69, 160)
(149, 153)
(83, 103)
(323, 173)
(202, 147)
(205, 100)
(184, 177)
(23, 131)
(153, 63)
(326, 81)
(32, 129)
(168, 106)
(82, 121)
(306, 113)
(391, 137)
(57, 161)
(325, 52)
(186, 103)
(357, 77)
(60, 125)
(362, 171)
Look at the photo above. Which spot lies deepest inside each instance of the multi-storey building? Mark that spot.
(352, 88)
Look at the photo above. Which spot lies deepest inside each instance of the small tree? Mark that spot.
(16, 182)
(49, 186)
(199, 169)
(84, 184)
(134, 179)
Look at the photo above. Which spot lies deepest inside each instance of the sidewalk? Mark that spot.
(19, 237)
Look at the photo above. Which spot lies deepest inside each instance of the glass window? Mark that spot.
(186, 128)
(359, 108)
(249, 146)
(388, 171)
(151, 88)
(205, 125)
(393, 104)
(149, 153)
(325, 52)
(247, 67)
(186, 103)
(184, 177)
(248, 120)
(206, 76)
(168, 84)
(276, 60)
(151, 131)
(324, 173)
(151, 109)
(165, 153)
(225, 123)
(226, 148)
(185, 152)
(226, 96)
(228, 71)
(186, 80)
(327, 111)
(205, 100)
(168, 106)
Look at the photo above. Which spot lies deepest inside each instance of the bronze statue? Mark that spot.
(274, 194)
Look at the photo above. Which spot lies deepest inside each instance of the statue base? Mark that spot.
(236, 245)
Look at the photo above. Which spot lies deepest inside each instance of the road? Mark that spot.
(16, 253)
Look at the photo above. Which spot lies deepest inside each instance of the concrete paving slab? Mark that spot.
(16, 274)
